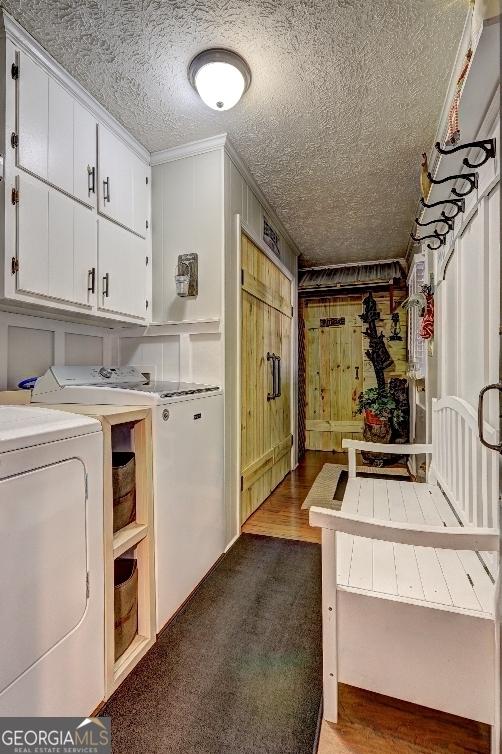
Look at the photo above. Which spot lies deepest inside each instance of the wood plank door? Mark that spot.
(265, 404)
(333, 371)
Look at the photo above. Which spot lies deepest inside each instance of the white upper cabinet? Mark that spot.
(123, 187)
(67, 170)
(56, 134)
(56, 244)
(122, 270)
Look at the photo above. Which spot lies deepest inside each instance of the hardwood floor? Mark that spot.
(281, 515)
(369, 723)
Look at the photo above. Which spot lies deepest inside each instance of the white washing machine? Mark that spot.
(51, 563)
(187, 425)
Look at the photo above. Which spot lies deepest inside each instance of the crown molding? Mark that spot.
(191, 149)
(24, 41)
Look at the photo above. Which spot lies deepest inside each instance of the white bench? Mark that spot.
(409, 609)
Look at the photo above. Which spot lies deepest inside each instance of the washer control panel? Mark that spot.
(98, 375)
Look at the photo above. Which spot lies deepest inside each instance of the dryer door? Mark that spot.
(43, 562)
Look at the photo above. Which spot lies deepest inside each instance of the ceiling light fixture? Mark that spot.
(220, 77)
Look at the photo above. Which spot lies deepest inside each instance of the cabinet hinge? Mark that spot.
(146, 179)
(292, 440)
(14, 71)
(242, 484)
(146, 224)
(14, 265)
(14, 196)
(87, 585)
(292, 311)
(242, 276)
(14, 140)
(146, 261)
(147, 304)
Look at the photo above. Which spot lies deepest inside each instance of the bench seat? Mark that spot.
(450, 579)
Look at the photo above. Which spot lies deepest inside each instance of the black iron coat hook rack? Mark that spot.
(458, 203)
(487, 145)
(470, 178)
(436, 236)
(448, 221)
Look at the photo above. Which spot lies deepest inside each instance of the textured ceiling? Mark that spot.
(345, 95)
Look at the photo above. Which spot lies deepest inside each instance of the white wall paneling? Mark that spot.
(31, 344)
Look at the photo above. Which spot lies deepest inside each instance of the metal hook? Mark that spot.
(436, 236)
(458, 203)
(471, 178)
(448, 221)
(487, 145)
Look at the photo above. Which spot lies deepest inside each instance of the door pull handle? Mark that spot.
(106, 190)
(492, 446)
(279, 377)
(91, 280)
(91, 180)
(106, 285)
(357, 372)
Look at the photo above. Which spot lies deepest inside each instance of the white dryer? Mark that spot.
(51, 563)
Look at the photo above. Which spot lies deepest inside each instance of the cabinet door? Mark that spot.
(84, 155)
(123, 192)
(60, 154)
(122, 271)
(32, 236)
(32, 116)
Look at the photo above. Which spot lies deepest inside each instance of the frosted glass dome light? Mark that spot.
(220, 77)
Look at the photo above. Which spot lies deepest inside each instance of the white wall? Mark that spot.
(29, 345)
(187, 217)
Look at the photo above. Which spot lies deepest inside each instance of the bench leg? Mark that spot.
(329, 621)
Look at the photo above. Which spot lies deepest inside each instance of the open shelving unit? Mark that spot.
(134, 426)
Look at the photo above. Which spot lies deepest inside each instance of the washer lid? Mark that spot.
(24, 426)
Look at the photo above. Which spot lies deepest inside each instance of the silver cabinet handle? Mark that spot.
(106, 190)
(91, 180)
(91, 280)
(106, 285)
(495, 386)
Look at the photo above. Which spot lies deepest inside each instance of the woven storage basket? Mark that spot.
(123, 473)
(126, 603)
(124, 489)
(124, 510)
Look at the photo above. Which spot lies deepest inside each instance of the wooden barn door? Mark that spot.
(333, 371)
(265, 405)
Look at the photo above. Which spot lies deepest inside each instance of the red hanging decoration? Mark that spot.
(427, 323)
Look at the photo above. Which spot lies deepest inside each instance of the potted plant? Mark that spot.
(382, 416)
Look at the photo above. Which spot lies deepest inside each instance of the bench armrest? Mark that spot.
(378, 447)
(422, 535)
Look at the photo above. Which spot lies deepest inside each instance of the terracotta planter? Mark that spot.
(372, 419)
(381, 432)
